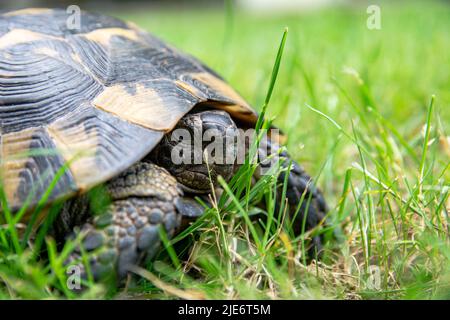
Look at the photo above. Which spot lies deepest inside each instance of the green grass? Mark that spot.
(366, 113)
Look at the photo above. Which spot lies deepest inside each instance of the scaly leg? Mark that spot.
(144, 198)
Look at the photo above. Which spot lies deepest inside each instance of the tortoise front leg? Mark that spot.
(144, 198)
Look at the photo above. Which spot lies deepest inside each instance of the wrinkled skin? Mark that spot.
(156, 192)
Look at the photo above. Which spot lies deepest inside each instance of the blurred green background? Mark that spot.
(332, 61)
(374, 88)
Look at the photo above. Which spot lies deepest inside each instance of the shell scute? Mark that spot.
(98, 98)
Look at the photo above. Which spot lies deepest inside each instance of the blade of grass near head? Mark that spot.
(243, 212)
(425, 143)
(273, 79)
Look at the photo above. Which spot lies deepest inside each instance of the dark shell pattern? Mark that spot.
(77, 107)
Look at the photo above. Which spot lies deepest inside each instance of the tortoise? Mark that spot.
(97, 106)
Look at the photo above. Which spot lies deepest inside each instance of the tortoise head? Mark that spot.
(201, 147)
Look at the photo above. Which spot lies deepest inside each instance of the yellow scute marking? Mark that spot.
(134, 26)
(221, 87)
(103, 36)
(78, 147)
(18, 36)
(189, 88)
(239, 109)
(46, 52)
(29, 11)
(144, 107)
(14, 149)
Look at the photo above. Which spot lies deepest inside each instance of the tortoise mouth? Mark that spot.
(196, 179)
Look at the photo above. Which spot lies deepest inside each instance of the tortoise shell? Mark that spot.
(77, 107)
